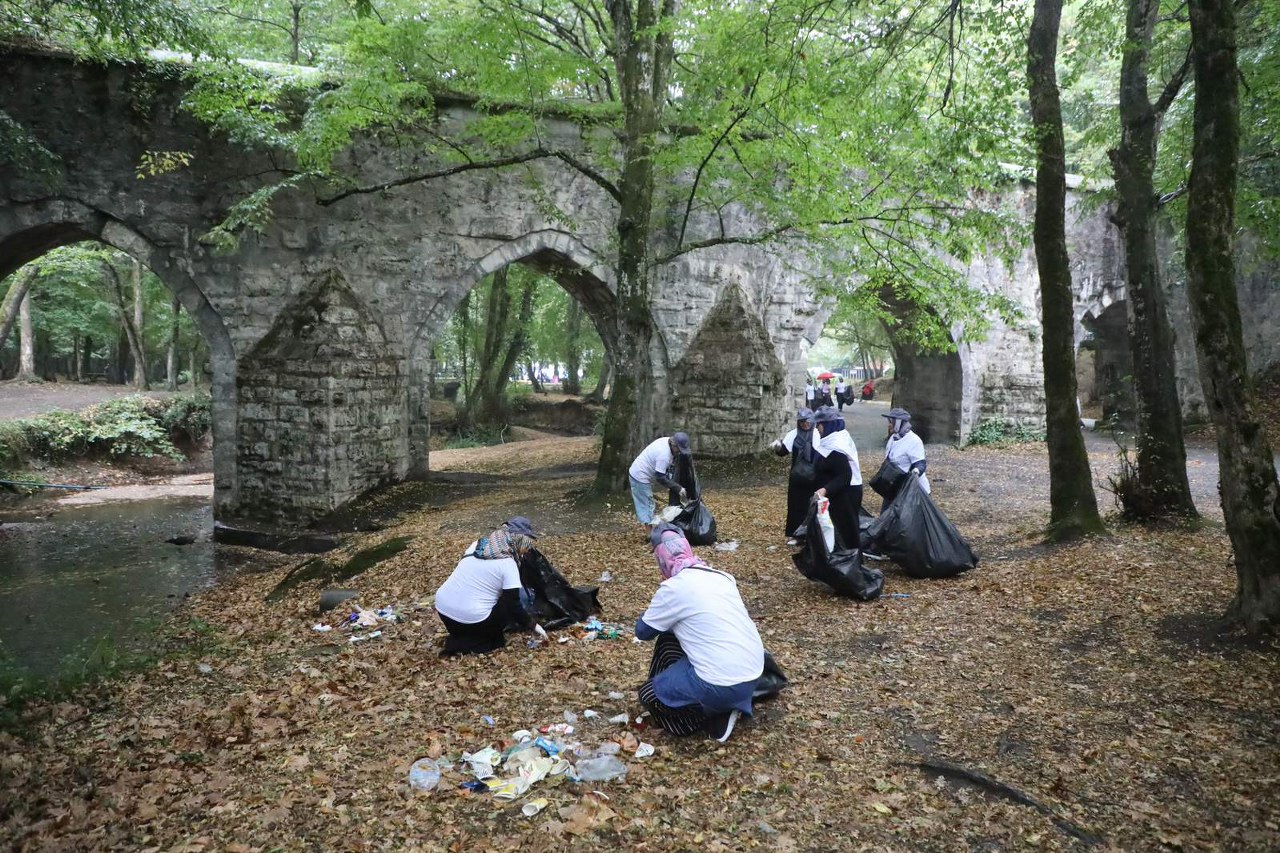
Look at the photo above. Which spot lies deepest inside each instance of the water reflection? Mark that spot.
(72, 577)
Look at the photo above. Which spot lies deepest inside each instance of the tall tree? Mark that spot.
(1159, 488)
(19, 284)
(1250, 492)
(26, 341)
(128, 331)
(138, 342)
(573, 348)
(1073, 506)
(504, 339)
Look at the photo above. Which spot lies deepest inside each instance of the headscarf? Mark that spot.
(901, 420)
(501, 544)
(837, 439)
(672, 551)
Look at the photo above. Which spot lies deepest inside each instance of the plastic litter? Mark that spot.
(547, 746)
(532, 807)
(570, 717)
(475, 785)
(605, 577)
(487, 720)
(897, 595)
(424, 775)
(204, 668)
(481, 763)
(608, 748)
(364, 618)
(588, 714)
(322, 628)
(522, 736)
(564, 640)
(601, 769)
(614, 694)
(621, 719)
(644, 750)
(731, 545)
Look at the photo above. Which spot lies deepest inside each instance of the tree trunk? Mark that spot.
(195, 347)
(598, 393)
(86, 360)
(26, 342)
(1073, 506)
(171, 359)
(573, 348)
(295, 31)
(13, 298)
(533, 378)
(136, 343)
(504, 341)
(642, 58)
(1160, 488)
(1247, 474)
(75, 357)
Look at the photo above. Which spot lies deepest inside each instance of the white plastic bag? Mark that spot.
(824, 521)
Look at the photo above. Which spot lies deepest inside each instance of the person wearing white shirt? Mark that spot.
(482, 596)
(709, 656)
(653, 465)
(841, 399)
(810, 392)
(904, 448)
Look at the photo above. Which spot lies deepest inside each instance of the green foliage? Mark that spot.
(103, 28)
(997, 431)
(479, 436)
(124, 427)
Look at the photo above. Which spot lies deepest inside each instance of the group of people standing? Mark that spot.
(817, 396)
(824, 463)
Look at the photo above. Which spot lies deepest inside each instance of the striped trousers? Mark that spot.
(682, 721)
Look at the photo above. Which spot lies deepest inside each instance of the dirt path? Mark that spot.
(22, 399)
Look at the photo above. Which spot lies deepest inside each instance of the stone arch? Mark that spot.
(321, 417)
(29, 231)
(559, 255)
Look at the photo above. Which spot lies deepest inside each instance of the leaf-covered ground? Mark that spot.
(1084, 677)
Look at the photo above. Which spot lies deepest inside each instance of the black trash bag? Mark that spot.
(684, 474)
(888, 480)
(697, 523)
(916, 535)
(865, 520)
(556, 603)
(842, 570)
(772, 681)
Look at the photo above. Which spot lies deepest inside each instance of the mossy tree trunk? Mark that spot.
(1073, 505)
(1160, 489)
(1247, 474)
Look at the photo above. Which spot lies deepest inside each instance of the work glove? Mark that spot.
(684, 495)
(540, 631)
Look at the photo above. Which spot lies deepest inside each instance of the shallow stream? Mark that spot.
(73, 575)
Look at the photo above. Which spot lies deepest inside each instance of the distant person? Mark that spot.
(483, 595)
(824, 394)
(709, 656)
(839, 475)
(869, 391)
(653, 465)
(800, 483)
(841, 395)
(904, 448)
(810, 394)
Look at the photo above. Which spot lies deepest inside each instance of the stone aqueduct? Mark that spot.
(320, 327)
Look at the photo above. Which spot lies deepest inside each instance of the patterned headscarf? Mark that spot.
(672, 551)
(501, 544)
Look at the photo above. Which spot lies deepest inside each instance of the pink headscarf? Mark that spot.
(674, 554)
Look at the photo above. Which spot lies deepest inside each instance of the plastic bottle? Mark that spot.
(601, 769)
(424, 775)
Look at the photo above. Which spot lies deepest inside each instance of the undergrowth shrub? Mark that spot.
(478, 436)
(995, 431)
(125, 426)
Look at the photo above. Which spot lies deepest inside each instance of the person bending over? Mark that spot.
(482, 596)
(653, 466)
(708, 656)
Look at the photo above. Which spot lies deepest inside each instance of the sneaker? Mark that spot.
(721, 726)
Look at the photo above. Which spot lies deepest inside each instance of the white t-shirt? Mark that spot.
(840, 388)
(470, 593)
(905, 451)
(704, 609)
(654, 458)
(808, 391)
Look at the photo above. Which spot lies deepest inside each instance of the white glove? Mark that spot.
(684, 495)
(540, 631)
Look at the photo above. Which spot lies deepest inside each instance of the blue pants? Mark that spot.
(642, 497)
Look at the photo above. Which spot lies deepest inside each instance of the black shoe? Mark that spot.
(721, 726)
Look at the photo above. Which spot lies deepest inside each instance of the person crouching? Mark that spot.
(708, 655)
(482, 596)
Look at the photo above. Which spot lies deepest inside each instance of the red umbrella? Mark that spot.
(827, 375)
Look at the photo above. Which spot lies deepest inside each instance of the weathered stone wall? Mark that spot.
(321, 408)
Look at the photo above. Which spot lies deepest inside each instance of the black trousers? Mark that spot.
(799, 493)
(844, 516)
(481, 637)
